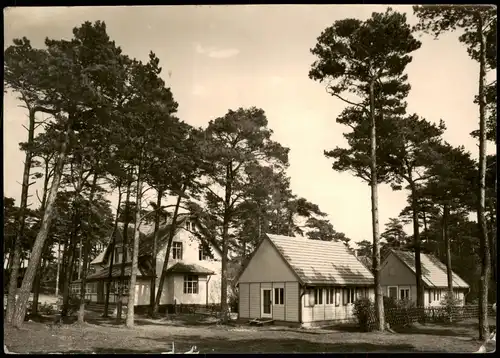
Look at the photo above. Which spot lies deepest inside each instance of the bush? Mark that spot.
(46, 309)
(364, 310)
(399, 312)
(453, 310)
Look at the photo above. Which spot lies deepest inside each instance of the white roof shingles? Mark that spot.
(322, 262)
(433, 270)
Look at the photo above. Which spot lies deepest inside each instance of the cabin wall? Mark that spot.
(267, 265)
(338, 310)
(250, 301)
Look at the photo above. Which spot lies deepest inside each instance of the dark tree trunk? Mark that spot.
(171, 234)
(135, 250)
(446, 239)
(86, 249)
(481, 216)
(38, 276)
(68, 277)
(24, 292)
(225, 242)
(119, 304)
(37, 283)
(379, 302)
(112, 254)
(16, 256)
(155, 242)
(417, 245)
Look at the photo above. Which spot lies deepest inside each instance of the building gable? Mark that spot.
(267, 265)
(395, 272)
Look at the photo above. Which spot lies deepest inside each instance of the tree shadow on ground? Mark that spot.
(456, 329)
(100, 321)
(268, 345)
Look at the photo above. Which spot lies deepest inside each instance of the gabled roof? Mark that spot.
(146, 237)
(433, 270)
(116, 272)
(318, 262)
(189, 268)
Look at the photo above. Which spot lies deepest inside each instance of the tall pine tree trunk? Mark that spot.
(481, 216)
(446, 239)
(112, 254)
(119, 306)
(58, 269)
(225, 242)
(171, 234)
(16, 255)
(38, 276)
(86, 249)
(135, 250)
(24, 292)
(417, 245)
(152, 293)
(379, 302)
(70, 252)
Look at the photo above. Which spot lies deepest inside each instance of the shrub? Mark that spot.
(452, 308)
(46, 309)
(364, 311)
(399, 312)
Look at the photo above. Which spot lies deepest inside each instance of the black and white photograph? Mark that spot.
(208, 179)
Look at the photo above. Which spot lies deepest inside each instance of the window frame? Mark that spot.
(318, 296)
(279, 296)
(404, 288)
(389, 291)
(174, 250)
(330, 296)
(203, 253)
(194, 280)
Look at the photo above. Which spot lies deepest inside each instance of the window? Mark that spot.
(193, 227)
(118, 254)
(330, 296)
(337, 297)
(203, 253)
(349, 295)
(392, 292)
(457, 294)
(404, 293)
(188, 225)
(177, 251)
(190, 284)
(279, 295)
(318, 296)
(437, 295)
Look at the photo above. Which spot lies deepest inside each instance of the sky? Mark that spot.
(217, 58)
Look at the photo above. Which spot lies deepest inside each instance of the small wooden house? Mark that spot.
(301, 281)
(398, 278)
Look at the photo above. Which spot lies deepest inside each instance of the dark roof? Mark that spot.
(146, 238)
(189, 268)
(433, 271)
(116, 273)
(367, 261)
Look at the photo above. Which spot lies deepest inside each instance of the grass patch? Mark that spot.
(155, 336)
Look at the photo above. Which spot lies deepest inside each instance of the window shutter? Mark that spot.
(344, 296)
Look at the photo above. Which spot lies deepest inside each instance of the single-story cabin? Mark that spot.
(301, 281)
(398, 278)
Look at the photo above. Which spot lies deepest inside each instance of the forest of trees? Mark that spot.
(111, 127)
